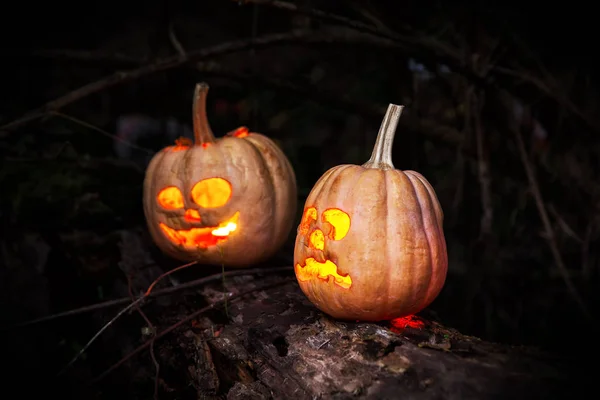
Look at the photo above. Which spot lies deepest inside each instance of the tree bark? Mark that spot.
(277, 345)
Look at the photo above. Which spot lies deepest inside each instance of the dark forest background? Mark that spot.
(501, 116)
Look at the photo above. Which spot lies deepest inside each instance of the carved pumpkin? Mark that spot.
(370, 245)
(226, 201)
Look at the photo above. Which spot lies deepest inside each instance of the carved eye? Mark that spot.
(211, 192)
(339, 221)
(170, 198)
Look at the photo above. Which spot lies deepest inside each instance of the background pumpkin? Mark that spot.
(371, 244)
(230, 200)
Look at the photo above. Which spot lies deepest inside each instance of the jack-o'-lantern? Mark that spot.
(370, 245)
(227, 201)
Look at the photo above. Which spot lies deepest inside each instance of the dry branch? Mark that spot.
(445, 53)
(173, 62)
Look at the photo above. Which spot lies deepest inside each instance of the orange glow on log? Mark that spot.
(411, 321)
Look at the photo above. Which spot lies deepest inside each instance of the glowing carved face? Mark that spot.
(208, 193)
(335, 225)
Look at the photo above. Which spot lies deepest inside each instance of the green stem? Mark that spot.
(381, 158)
(202, 131)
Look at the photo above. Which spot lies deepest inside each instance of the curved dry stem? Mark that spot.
(381, 158)
(202, 131)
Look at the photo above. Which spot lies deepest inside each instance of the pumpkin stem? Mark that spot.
(381, 157)
(202, 131)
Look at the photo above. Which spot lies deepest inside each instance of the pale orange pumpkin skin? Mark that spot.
(394, 251)
(263, 191)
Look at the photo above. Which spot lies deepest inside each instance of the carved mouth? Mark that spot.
(201, 237)
(314, 269)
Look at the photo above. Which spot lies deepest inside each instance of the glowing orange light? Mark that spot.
(181, 143)
(317, 240)
(315, 269)
(340, 222)
(241, 132)
(170, 198)
(201, 237)
(411, 321)
(337, 225)
(211, 192)
(192, 215)
(205, 145)
(309, 216)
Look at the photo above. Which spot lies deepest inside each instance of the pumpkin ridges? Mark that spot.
(341, 197)
(432, 194)
(389, 250)
(409, 242)
(267, 176)
(420, 199)
(395, 251)
(256, 193)
(286, 197)
(413, 299)
(439, 258)
(186, 164)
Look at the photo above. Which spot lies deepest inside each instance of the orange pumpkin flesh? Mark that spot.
(371, 245)
(219, 201)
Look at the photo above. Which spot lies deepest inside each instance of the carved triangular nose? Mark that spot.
(192, 215)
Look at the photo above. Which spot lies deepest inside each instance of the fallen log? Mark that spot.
(277, 345)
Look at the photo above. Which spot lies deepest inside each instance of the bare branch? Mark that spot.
(173, 62)
(385, 33)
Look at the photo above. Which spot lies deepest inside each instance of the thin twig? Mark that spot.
(135, 304)
(175, 41)
(155, 293)
(152, 332)
(183, 321)
(101, 131)
(97, 335)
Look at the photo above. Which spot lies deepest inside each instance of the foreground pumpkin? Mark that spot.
(224, 201)
(371, 244)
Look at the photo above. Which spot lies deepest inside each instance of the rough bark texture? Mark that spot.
(278, 345)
